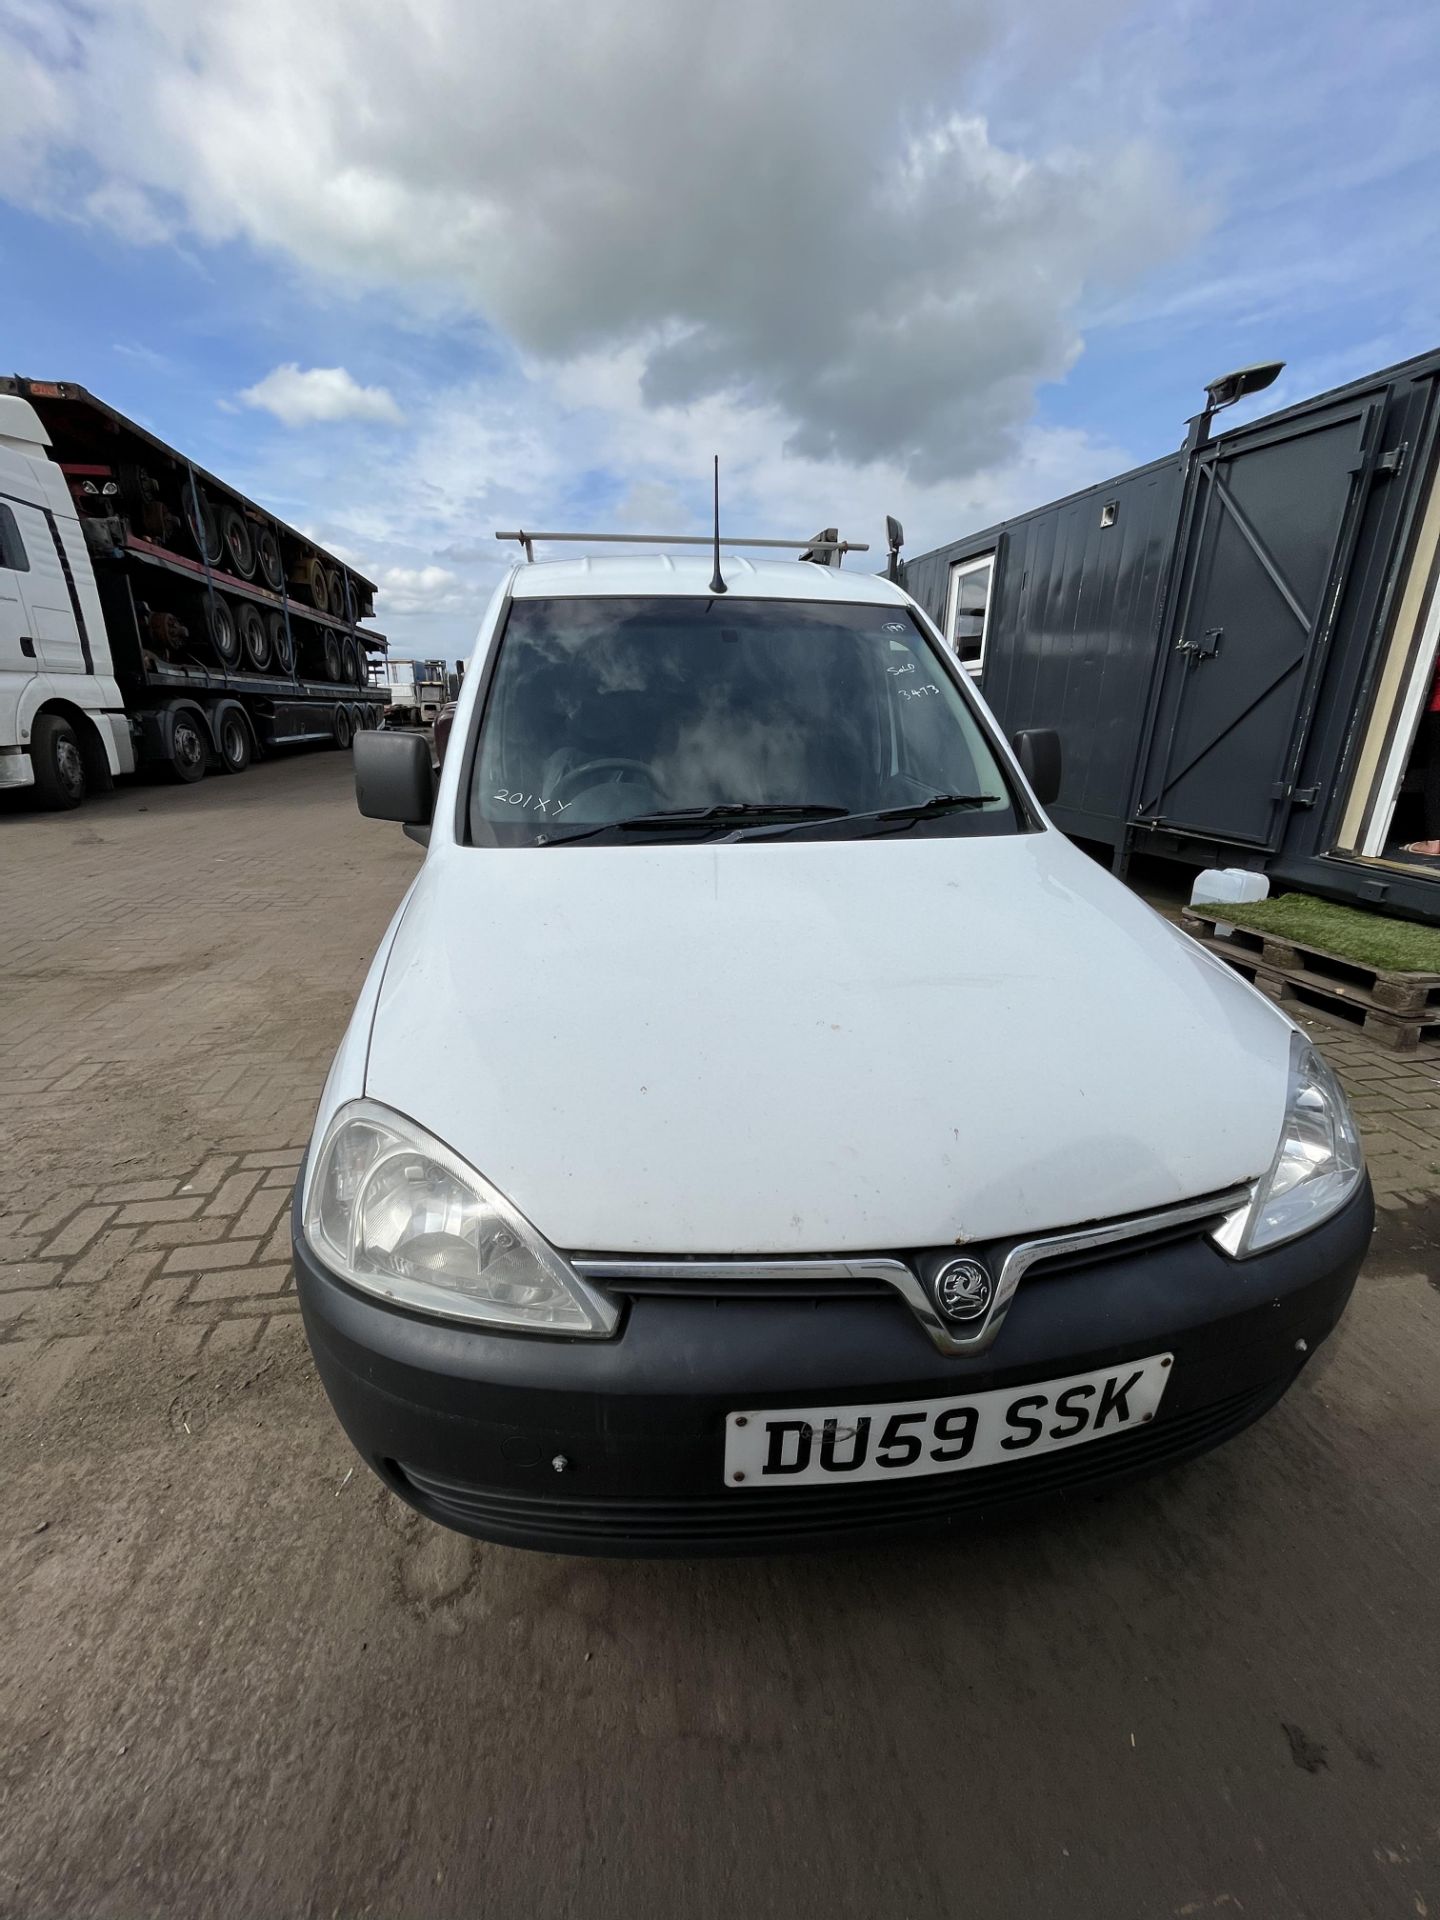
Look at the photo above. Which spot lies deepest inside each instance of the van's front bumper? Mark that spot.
(616, 1446)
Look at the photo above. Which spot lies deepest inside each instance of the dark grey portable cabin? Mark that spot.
(1235, 643)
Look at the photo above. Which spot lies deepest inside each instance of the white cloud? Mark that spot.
(129, 212)
(802, 245)
(420, 590)
(299, 397)
(652, 506)
(806, 218)
(590, 419)
(526, 453)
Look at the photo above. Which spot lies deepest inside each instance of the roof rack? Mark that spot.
(824, 544)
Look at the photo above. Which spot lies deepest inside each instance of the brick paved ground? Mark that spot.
(1397, 1102)
(177, 965)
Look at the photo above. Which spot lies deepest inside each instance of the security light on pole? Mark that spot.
(1229, 388)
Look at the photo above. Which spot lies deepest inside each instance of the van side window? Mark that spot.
(12, 548)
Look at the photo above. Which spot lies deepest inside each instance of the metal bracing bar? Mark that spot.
(289, 630)
(350, 609)
(285, 605)
(1252, 540)
(205, 562)
(527, 540)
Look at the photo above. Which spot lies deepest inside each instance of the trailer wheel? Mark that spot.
(254, 637)
(267, 557)
(232, 738)
(223, 632)
(59, 765)
(189, 747)
(281, 643)
(315, 581)
(239, 547)
(332, 656)
(342, 729)
(204, 528)
(349, 664)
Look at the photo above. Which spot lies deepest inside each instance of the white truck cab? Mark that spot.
(61, 714)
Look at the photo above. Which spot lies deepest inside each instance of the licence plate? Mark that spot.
(815, 1446)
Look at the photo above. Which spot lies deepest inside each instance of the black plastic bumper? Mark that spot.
(466, 1425)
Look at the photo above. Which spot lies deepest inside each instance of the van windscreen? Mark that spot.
(630, 719)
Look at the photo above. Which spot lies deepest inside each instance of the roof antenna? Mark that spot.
(717, 583)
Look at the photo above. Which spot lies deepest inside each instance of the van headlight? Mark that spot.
(1317, 1166)
(392, 1210)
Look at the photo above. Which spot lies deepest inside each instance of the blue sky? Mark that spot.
(409, 273)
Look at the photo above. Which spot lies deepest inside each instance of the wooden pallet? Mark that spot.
(1396, 1009)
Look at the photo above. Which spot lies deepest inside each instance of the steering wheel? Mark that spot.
(568, 780)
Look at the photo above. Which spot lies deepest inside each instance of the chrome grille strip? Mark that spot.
(640, 1266)
(904, 1279)
(1109, 1233)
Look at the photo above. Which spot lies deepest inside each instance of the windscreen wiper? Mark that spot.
(681, 817)
(902, 817)
(937, 803)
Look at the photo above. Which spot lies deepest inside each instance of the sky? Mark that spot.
(409, 271)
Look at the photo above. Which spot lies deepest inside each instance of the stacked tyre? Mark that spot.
(282, 642)
(255, 637)
(223, 631)
(267, 558)
(312, 577)
(202, 525)
(238, 544)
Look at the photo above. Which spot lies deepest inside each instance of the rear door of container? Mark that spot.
(1269, 527)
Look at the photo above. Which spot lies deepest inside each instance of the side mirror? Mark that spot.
(394, 779)
(895, 540)
(1038, 751)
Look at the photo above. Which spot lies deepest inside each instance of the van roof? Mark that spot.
(660, 573)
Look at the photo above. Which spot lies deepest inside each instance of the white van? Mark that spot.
(760, 1126)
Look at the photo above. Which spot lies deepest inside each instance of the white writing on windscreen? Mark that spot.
(530, 802)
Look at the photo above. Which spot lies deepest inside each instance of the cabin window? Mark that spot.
(967, 609)
(12, 548)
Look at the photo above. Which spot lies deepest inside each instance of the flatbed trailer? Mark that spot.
(151, 614)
